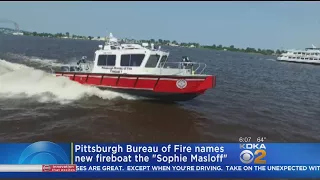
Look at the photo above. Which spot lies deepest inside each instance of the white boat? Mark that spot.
(309, 55)
(140, 70)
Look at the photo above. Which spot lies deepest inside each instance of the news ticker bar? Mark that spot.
(38, 168)
(225, 168)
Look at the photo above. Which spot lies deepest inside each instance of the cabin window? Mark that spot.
(131, 59)
(299, 52)
(303, 53)
(316, 54)
(111, 60)
(125, 60)
(293, 57)
(311, 58)
(153, 61)
(163, 60)
(308, 54)
(312, 54)
(294, 53)
(136, 59)
(102, 60)
(107, 60)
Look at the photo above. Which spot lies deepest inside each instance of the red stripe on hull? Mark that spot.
(146, 83)
(157, 84)
(165, 85)
(108, 81)
(80, 78)
(93, 80)
(127, 82)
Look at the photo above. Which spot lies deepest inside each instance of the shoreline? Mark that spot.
(158, 42)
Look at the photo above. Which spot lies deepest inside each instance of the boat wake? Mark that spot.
(33, 61)
(21, 81)
(271, 59)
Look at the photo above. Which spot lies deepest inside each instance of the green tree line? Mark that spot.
(57, 35)
(247, 50)
(164, 42)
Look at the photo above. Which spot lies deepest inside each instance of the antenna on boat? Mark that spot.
(112, 40)
(107, 39)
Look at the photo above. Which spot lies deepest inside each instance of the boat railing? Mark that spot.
(72, 68)
(193, 68)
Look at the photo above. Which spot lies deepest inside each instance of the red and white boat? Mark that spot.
(142, 71)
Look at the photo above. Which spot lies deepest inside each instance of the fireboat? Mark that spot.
(140, 70)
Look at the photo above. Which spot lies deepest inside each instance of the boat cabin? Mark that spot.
(310, 55)
(115, 58)
(128, 58)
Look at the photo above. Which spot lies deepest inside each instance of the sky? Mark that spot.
(272, 25)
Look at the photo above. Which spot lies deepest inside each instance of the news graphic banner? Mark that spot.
(206, 160)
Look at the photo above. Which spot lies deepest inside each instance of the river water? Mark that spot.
(255, 96)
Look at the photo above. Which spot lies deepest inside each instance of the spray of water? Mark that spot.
(33, 61)
(17, 80)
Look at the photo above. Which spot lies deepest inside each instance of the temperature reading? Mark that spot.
(261, 139)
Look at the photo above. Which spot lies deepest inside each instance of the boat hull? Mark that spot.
(170, 97)
(158, 87)
(314, 62)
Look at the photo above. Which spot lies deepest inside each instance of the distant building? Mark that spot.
(99, 38)
(173, 44)
(18, 33)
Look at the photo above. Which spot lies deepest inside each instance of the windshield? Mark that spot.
(163, 60)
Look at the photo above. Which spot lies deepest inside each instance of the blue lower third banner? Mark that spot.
(206, 160)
